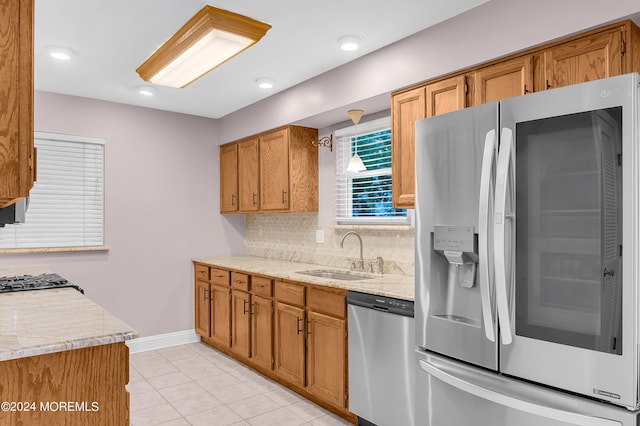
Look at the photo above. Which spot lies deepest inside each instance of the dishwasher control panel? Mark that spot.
(381, 303)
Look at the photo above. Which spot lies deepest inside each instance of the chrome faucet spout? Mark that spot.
(359, 238)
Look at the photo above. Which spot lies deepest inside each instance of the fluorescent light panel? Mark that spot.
(210, 38)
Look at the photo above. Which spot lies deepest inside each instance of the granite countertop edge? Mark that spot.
(390, 285)
(42, 322)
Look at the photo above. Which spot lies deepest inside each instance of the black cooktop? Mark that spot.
(35, 282)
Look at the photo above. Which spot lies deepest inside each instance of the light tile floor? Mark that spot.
(194, 384)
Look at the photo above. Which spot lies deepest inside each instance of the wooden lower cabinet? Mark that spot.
(262, 332)
(290, 343)
(294, 333)
(220, 315)
(203, 308)
(240, 323)
(91, 380)
(326, 360)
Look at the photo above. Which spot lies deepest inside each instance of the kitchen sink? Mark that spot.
(334, 275)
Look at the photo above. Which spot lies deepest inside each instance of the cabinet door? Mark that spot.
(229, 178)
(203, 308)
(289, 343)
(17, 154)
(220, 315)
(248, 175)
(406, 108)
(274, 170)
(262, 332)
(326, 358)
(446, 95)
(589, 58)
(240, 323)
(503, 80)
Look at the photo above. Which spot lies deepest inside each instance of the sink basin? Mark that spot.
(334, 275)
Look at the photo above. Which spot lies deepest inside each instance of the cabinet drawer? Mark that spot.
(219, 276)
(261, 286)
(290, 293)
(240, 281)
(331, 302)
(202, 272)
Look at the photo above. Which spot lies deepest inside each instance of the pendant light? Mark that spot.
(356, 164)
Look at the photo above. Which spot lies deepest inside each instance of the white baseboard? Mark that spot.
(160, 341)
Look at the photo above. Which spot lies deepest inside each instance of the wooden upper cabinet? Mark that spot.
(585, 59)
(274, 171)
(406, 109)
(229, 178)
(446, 95)
(503, 80)
(248, 175)
(604, 52)
(17, 153)
(277, 171)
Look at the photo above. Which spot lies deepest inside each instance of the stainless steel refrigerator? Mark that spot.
(527, 260)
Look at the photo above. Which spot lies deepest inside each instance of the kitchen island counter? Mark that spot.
(390, 285)
(45, 321)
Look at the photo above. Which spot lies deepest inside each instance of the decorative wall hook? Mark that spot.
(326, 141)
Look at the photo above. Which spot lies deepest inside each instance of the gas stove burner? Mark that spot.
(35, 282)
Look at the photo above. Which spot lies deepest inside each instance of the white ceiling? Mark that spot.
(111, 38)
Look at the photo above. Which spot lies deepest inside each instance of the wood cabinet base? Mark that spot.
(78, 387)
(346, 414)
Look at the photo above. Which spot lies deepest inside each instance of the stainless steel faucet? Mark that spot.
(360, 238)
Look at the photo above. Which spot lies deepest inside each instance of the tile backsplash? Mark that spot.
(292, 236)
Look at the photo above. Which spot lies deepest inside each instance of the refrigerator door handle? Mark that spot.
(528, 406)
(487, 178)
(501, 256)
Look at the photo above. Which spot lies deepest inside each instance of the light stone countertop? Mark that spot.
(45, 321)
(398, 286)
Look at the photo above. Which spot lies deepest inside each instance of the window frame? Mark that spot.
(32, 244)
(344, 136)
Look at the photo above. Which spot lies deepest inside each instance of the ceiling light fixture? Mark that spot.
(146, 90)
(210, 38)
(356, 164)
(349, 43)
(265, 83)
(59, 52)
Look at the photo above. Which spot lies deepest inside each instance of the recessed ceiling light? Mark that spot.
(265, 83)
(349, 42)
(146, 90)
(59, 52)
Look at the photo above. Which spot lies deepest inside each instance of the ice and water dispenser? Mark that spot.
(455, 266)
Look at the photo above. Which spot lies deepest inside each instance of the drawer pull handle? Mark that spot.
(244, 307)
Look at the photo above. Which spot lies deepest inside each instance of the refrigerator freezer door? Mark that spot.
(451, 243)
(452, 394)
(573, 295)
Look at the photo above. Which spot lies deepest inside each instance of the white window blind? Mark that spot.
(66, 204)
(365, 197)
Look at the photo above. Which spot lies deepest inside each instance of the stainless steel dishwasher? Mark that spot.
(381, 360)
